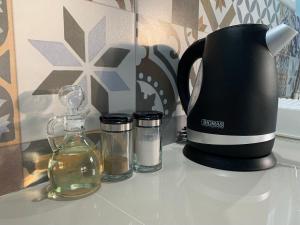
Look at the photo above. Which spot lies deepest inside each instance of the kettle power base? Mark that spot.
(229, 163)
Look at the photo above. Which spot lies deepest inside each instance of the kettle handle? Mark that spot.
(194, 52)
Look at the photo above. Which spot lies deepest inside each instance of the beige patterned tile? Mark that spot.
(122, 4)
(157, 9)
(216, 14)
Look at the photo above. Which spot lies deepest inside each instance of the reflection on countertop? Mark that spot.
(183, 192)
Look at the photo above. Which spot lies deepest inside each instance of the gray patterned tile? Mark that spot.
(112, 81)
(282, 63)
(74, 35)
(7, 127)
(282, 81)
(4, 120)
(152, 79)
(144, 101)
(296, 93)
(5, 66)
(55, 52)
(113, 57)
(99, 96)
(3, 21)
(292, 76)
(289, 17)
(56, 80)
(284, 18)
(97, 38)
(294, 47)
(256, 11)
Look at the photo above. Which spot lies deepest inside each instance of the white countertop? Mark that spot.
(182, 193)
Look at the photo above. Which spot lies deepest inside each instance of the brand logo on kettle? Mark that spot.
(212, 123)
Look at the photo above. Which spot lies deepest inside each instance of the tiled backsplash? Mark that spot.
(289, 59)
(124, 53)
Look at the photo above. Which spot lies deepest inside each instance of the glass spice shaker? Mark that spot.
(116, 145)
(147, 141)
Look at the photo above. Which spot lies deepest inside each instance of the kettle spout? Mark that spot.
(278, 37)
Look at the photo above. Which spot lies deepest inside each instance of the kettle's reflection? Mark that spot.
(264, 197)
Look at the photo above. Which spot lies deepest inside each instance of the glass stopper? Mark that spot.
(72, 97)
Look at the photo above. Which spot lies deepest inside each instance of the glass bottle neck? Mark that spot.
(74, 124)
(76, 132)
(74, 137)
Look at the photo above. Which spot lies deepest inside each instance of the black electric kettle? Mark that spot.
(232, 112)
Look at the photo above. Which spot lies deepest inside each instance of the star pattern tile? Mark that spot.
(112, 57)
(71, 55)
(56, 80)
(97, 39)
(99, 97)
(56, 53)
(112, 81)
(75, 36)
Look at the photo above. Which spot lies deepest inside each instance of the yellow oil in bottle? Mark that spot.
(74, 172)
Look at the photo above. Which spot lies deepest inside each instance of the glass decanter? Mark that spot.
(74, 168)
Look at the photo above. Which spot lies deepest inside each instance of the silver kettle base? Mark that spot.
(229, 163)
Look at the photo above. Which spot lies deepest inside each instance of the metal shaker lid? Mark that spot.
(148, 118)
(148, 115)
(116, 122)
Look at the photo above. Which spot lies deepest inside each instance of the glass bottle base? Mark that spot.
(116, 178)
(70, 195)
(147, 169)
